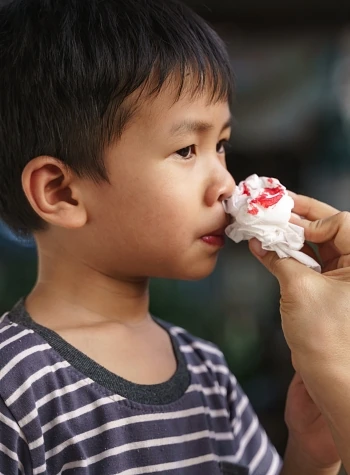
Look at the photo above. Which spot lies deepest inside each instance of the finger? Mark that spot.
(311, 208)
(296, 379)
(326, 251)
(343, 261)
(286, 270)
(299, 220)
(340, 274)
(335, 228)
(339, 262)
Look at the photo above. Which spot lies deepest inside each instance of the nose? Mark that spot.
(221, 187)
(227, 187)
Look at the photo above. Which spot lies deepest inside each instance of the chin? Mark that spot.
(199, 270)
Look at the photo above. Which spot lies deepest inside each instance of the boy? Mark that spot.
(114, 117)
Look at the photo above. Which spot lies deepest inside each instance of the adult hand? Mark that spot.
(315, 312)
(310, 442)
(315, 308)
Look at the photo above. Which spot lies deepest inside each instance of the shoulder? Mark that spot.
(16, 338)
(22, 353)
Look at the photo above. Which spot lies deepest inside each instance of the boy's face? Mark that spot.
(168, 178)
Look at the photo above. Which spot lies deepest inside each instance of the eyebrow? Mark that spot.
(198, 126)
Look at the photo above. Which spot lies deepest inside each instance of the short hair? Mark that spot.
(67, 68)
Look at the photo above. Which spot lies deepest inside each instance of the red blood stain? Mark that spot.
(246, 190)
(267, 198)
(252, 210)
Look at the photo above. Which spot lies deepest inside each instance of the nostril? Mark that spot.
(226, 195)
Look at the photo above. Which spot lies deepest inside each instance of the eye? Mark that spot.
(187, 152)
(222, 146)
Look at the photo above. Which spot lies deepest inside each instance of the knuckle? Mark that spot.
(317, 224)
(344, 218)
(343, 231)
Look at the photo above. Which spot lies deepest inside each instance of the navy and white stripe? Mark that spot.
(55, 418)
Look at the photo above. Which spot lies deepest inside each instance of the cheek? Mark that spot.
(154, 205)
(158, 197)
(167, 214)
(150, 232)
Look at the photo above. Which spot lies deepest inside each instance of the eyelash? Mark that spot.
(191, 149)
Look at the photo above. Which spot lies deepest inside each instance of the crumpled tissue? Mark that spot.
(261, 208)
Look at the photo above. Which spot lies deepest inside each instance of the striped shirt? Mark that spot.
(61, 412)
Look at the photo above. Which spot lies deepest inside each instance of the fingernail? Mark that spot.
(295, 217)
(256, 248)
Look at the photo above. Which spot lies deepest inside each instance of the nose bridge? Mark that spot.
(222, 183)
(225, 181)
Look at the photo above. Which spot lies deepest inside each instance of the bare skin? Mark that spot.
(139, 350)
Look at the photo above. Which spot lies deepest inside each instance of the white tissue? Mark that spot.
(261, 208)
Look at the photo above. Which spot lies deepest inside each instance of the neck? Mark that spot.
(66, 286)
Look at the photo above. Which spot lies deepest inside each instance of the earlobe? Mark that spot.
(53, 191)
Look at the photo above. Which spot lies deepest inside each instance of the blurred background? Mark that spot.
(292, 121)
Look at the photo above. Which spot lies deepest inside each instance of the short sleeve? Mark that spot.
(14, 452)
(254, 448)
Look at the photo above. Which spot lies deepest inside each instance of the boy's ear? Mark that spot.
(53, 191)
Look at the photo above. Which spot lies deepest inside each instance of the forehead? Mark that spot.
(166, 108)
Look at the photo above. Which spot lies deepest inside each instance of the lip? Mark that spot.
(215, 238)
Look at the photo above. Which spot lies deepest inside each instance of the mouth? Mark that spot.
(215, 238)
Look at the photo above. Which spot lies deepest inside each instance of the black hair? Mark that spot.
(67, 68)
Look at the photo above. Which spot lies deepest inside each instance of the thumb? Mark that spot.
(284, 269)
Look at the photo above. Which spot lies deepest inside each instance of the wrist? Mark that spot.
(296, 460)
